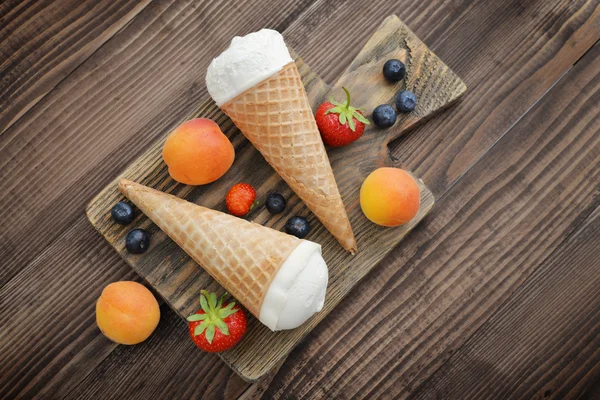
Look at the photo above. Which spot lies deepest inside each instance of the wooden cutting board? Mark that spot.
(178, 279)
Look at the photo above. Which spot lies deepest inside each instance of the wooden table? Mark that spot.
(496, 294)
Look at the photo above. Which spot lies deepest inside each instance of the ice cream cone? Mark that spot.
(242, 256)
(276, 117)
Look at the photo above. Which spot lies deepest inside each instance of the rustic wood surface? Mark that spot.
(177, 278)
(148, 77)
(54, 37)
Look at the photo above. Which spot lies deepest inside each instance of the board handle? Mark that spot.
(434, 84)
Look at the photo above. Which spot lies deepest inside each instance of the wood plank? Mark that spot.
(60, 155)
(544, 342)
(593, 392)
(179, 279)
(42, 42)
(483, 239)
(53, 308)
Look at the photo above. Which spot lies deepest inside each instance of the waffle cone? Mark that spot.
(276, 117)
(242, 256)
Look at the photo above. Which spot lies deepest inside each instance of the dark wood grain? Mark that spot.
(483, 239)
(593, 391)
(52, 307)
(147, 79)
(544, 342)
(178, 279)
(42, 42)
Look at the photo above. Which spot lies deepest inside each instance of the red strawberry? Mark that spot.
(240, 199)
(340, 124)
(216, 326)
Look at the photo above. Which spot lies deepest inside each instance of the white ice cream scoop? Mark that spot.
(248, 60)
(298, 289)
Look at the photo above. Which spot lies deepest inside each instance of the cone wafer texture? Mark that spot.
(242, 256)
(276, 117)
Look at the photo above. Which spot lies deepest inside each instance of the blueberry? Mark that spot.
(137, 241)
(394, 70)
(123, 213)
(275, 203)
(384, 116)
(297, 226)
(406, 101)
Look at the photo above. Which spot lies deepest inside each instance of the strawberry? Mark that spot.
(340, 124)
(216, 326)
(240, 199)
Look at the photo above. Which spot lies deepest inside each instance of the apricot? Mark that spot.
(127, 312)
(197, 152)
(390, 197)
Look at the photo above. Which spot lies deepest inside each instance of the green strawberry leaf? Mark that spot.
(212, 300)
(361, 118)
(351, 123)
(204, 304)
(210, 333)
(334, 110)
(342, 118)
(226, 313)
(200, 328)
(222, 327)
(197, 317)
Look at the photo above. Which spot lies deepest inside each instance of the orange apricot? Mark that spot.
(197, 152)
(127, 312)
(390, 197)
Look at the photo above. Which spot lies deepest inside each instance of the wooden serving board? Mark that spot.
(178, 279)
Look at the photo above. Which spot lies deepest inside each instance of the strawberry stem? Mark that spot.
(347, 97)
